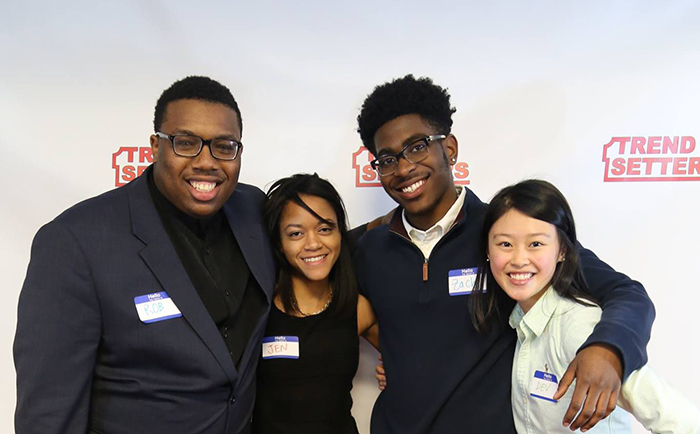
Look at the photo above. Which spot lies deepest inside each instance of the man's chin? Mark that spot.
(202, 211)
(415, 214)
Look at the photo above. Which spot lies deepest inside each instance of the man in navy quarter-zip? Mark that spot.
(443, 376)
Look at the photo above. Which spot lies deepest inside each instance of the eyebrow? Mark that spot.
(536, 234)
(182, 131)
(320, 222)
(385, 151)
(179, 131)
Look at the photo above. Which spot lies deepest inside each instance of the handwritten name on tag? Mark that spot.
(543, 386)
(461, 282)
(155, 307)
(280, 347)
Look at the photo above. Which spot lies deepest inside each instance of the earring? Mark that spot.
(453, 160)
(487, 259)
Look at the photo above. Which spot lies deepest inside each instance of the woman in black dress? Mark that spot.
(310, 351)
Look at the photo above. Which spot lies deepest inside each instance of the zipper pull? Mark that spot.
(425, 271)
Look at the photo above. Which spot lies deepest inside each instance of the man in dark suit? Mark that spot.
(143, 308)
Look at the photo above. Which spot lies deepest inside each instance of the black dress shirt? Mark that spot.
(217, 268)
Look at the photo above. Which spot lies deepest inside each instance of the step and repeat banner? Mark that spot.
(601, 100)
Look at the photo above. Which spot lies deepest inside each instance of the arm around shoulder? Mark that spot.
(58, 333)
(628, 313)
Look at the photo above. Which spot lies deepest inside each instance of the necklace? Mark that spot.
(325, 306)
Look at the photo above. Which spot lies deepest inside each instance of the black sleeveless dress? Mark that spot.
(309, 394)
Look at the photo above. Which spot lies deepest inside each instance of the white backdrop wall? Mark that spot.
(540, 88)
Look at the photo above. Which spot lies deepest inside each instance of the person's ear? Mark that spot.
(451, 148)
(154, 146)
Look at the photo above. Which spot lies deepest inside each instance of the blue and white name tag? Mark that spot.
(461, 282)
(156, 307)
(280, 347)
(543, 386)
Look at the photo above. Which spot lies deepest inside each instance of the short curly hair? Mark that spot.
(199, 88)
(403, 96)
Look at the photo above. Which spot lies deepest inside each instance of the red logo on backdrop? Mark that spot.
(365, 176)
(654, 158)
(129, 162)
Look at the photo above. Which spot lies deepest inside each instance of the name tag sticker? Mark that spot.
(156, 307)
(280, 347)
(543, 386)
(461, 282)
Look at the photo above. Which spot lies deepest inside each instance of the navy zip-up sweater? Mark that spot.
(442, 375)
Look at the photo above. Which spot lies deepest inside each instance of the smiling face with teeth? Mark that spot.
(310, 245)
(198, 186)
(523, 253)
(425, 189)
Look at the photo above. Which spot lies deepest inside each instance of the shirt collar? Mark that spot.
(537, 318)
(442, 226)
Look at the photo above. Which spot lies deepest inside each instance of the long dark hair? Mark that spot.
(543, 201)
(342, 276)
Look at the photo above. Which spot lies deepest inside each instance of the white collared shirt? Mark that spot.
(549, 335)
(426, 240)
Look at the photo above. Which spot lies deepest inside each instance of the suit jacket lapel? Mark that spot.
(161, 257)
(252, 239)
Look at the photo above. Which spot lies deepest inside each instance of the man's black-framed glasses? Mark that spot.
(190, 146)
(414, 152)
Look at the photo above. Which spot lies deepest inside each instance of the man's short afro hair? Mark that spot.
(403, 96)
(199, 88)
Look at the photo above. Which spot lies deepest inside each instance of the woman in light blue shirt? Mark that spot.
(530, 256)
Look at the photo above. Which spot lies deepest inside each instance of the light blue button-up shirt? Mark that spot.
(549, 335)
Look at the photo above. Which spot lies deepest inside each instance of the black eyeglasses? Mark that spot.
(414, 152)
(190, 146)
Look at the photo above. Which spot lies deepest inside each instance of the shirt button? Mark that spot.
(225, 335)
(232, 401)
(230, 353)
(227, 293)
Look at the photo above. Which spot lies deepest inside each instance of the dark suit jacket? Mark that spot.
(84, 360)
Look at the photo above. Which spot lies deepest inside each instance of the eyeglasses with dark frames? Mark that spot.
(414, 152)
(185, 145)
